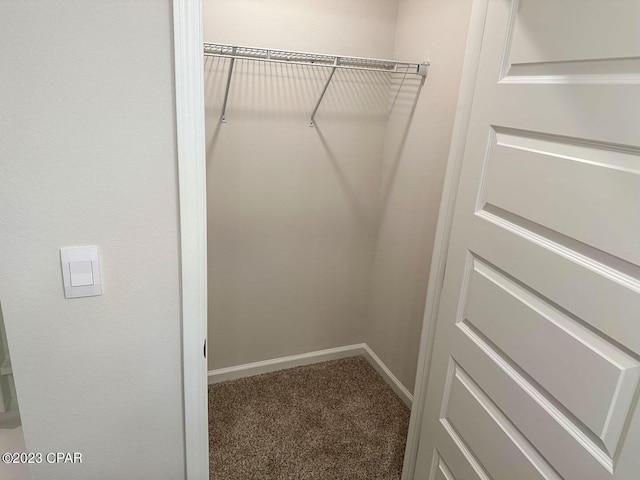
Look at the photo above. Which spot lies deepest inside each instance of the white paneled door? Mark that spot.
(536, 359)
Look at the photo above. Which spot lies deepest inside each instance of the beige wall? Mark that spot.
(322, 237)
(292, 209)
(416, 149)
(87, 157)
(362, 28)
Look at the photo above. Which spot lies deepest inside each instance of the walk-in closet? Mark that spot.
(327, 132)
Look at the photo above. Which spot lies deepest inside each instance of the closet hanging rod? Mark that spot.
(334, 62)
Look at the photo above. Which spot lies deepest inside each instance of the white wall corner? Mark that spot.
(388, 376)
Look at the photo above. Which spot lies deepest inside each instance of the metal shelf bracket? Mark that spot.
(223, 116)
(324, 90)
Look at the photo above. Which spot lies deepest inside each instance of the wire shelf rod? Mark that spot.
(341, 67)
(312, 59)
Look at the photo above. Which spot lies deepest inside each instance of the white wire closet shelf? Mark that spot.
(334, 62)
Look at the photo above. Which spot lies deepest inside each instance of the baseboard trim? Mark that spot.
(388, 376)
(275, 364)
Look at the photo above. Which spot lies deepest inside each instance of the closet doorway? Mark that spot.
(322, 199)
(295, 153)
(319, 237)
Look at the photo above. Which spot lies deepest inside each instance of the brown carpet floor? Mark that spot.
(329, 421)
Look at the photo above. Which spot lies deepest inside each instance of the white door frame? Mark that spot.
(189, 85)
(443, 229)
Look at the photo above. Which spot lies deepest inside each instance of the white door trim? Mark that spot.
(189, 84)
(443, 230)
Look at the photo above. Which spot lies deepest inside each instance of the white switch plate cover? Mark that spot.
(80, 271)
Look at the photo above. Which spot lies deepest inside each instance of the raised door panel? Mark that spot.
(499, 447)
(552, 31)
(573, 365)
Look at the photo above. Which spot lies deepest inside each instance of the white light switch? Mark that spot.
(80, 271)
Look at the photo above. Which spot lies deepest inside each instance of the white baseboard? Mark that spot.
(275, 364)
(389, 377)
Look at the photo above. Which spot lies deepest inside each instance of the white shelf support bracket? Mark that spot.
(324, 90)
(223, 117)
(423, 69)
